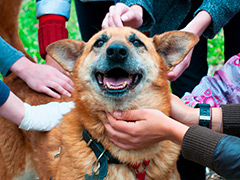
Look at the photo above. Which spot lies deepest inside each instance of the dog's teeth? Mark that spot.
(100, 79)
(110, 86)
(130, 78)
(124, 84)
(136, 79)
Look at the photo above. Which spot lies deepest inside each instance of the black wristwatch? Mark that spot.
(205, 115)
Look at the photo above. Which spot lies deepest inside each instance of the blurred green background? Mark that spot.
(29, 24)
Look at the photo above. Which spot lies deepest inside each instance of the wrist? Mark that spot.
(177, 132)
(191, 117)
(217, 119)
(199, 24)
(205, 115)
(21, 66)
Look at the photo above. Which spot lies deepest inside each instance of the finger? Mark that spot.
(133, 115)
(50, 92)
(66, 83)
(105, 21)
(119, 11)
(175, 73)
(127, 127)
(59, 88)
(117, 135)
(171, 76)
(123, 145)
(111, 22)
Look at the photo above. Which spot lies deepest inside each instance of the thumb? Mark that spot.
(132, 115)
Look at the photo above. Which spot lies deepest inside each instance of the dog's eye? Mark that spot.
(99, 43)
(137, 42)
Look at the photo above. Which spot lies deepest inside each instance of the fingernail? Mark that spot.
(124, 17)
(118, 114)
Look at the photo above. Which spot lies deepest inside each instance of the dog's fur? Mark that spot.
(25, 155)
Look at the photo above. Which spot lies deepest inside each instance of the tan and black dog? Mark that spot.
(117, 69)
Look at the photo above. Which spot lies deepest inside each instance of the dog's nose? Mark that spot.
(117, 52)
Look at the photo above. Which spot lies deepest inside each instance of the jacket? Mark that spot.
(58, 7)
(167, 15)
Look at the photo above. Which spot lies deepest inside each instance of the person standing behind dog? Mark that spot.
(42, 117)
(203, 18)
(53, 14)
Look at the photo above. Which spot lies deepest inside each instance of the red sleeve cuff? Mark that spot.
(51, 29)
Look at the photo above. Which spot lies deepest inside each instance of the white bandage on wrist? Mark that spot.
(46, 116)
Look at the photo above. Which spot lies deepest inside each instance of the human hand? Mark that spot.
(197, 26)
(140, 128)
(43, 78)
(121, 15)
(51, 62)
(177, 71)
(46, 116)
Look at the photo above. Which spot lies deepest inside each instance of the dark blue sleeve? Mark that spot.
(4, 92)
(227, 157)
(8, 56)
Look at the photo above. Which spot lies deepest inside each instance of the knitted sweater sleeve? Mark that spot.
(221, 12)
(51, 28)
(217, 151)
(231, 119)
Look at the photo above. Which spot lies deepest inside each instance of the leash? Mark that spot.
(103, 158)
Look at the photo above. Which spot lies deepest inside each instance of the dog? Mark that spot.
(117, 69)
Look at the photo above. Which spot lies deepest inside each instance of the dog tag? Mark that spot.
(92, 177)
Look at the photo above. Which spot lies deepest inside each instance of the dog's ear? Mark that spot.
(173, 46)
(66, 52)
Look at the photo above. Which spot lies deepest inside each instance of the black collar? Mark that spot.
(104, 156)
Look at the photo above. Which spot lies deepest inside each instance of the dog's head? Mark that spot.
(121, 68)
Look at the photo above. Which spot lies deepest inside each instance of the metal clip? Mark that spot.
(98, 164)
(89, 142)
(58, 153)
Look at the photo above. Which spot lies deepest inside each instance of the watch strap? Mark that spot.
(205, 115)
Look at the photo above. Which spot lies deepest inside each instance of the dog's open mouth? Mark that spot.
(117, 80)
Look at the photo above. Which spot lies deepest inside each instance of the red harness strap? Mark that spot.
(140, 174)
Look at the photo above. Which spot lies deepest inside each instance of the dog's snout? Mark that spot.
(117, 52)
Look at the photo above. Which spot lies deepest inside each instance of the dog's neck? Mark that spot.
(104, 157)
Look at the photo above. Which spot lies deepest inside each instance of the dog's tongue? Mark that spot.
(116, 81)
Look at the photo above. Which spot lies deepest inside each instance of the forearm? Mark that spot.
(13, 109)
(199, 144)
(190, 116)
(193, 114)
(199, 24)
(221, 12)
